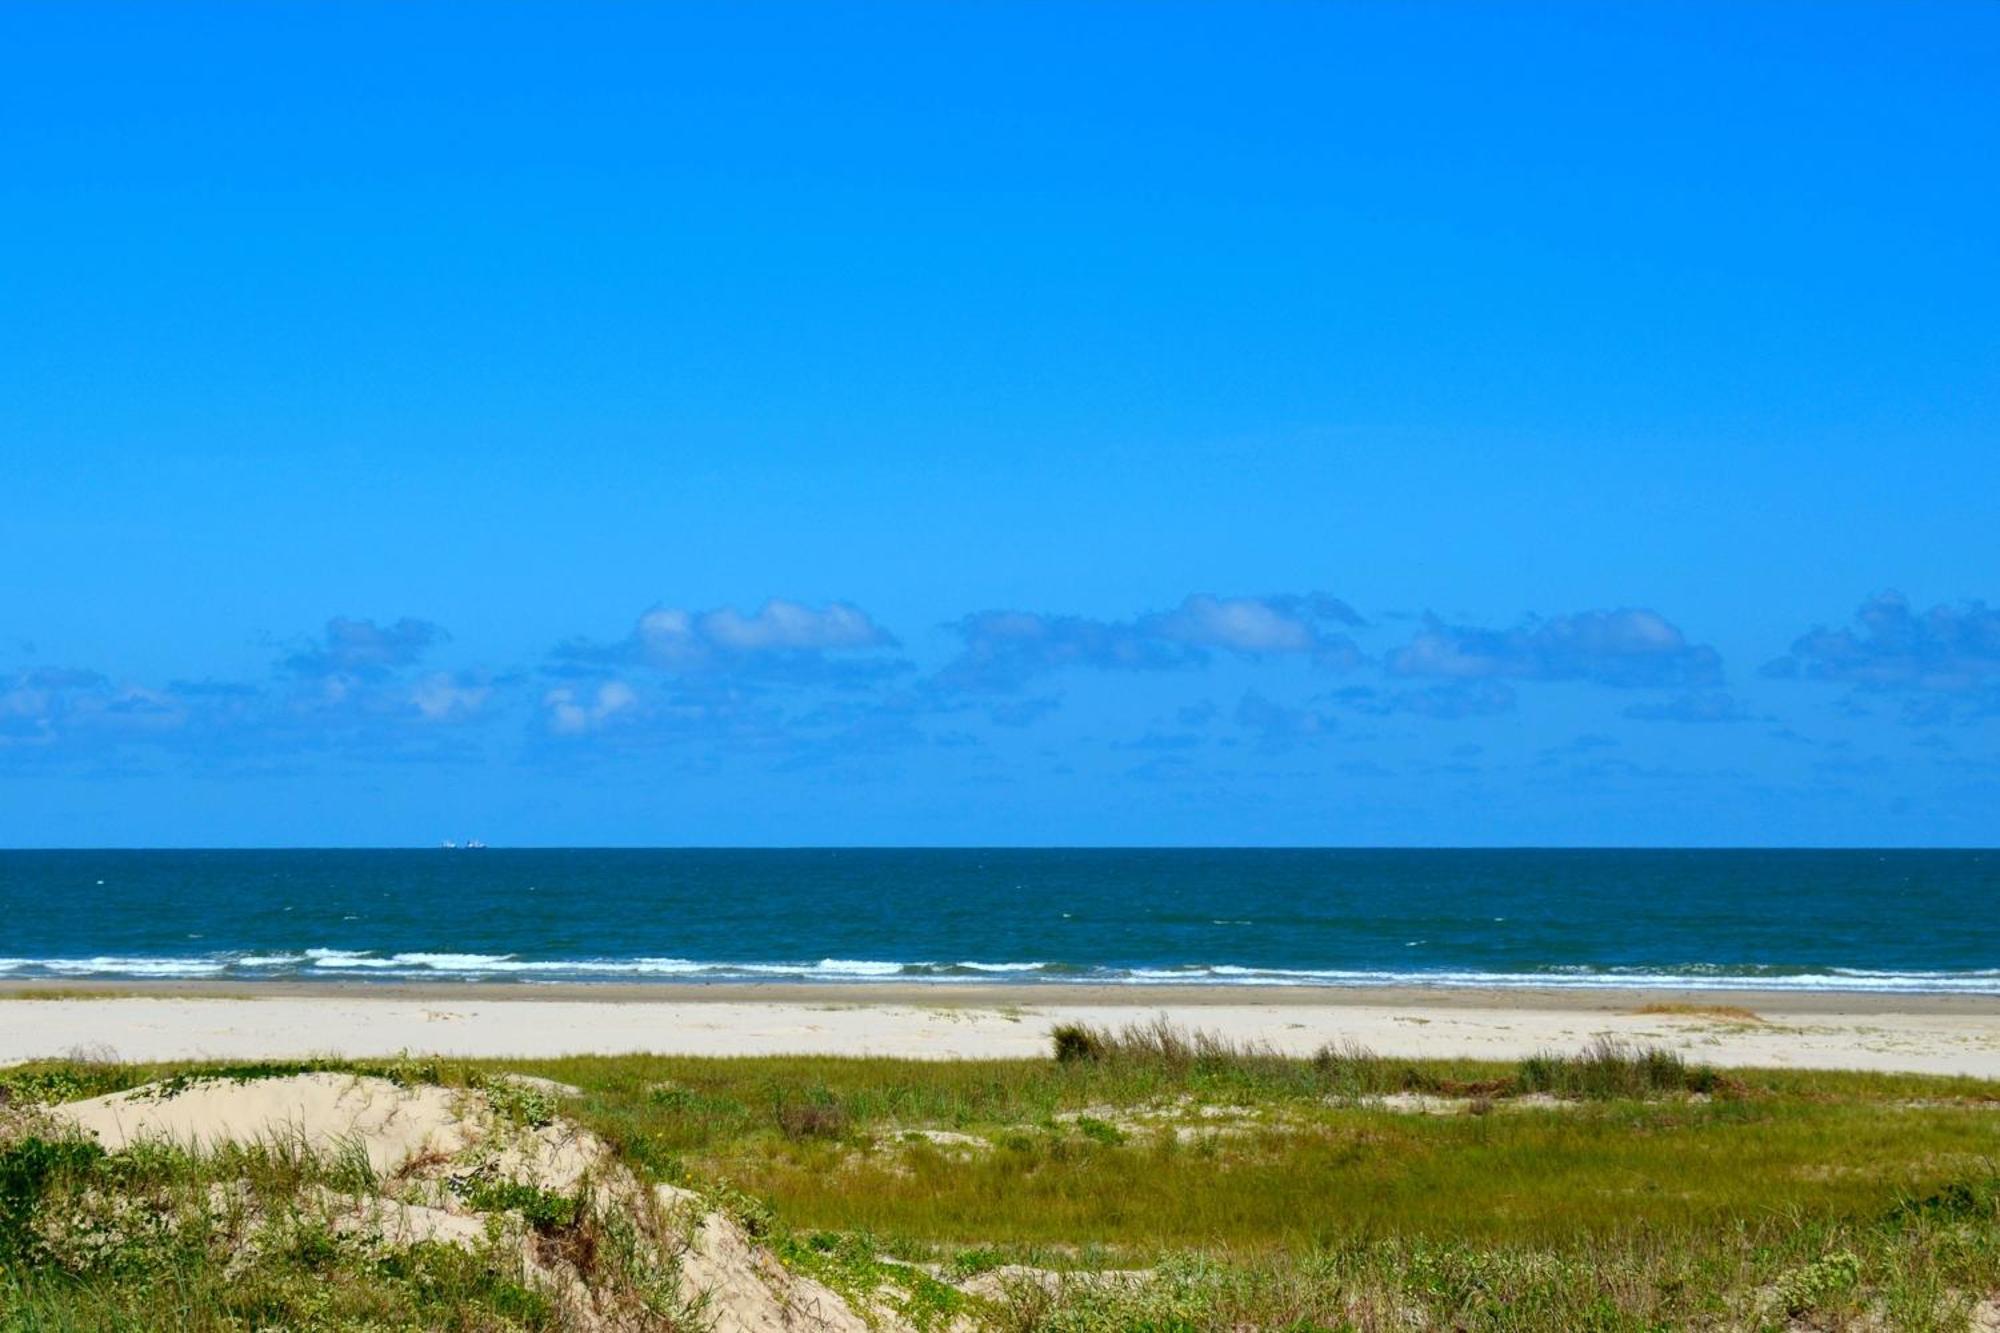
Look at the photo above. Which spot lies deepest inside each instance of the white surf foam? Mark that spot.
(417, 964)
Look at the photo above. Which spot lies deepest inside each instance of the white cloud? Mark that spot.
(1625, 647)
(442, 697)
(789, 626)
(572, 715)
(1240, 624)
(781, 640)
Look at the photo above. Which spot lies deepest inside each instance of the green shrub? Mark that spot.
(1607, 1069)
(544, 1210)
(1807, 1288)
(1103, 1131)
(28, 1167)
(522, 1103)
(1077, 1042)
(816, 1117)
(673, 1097)
(66, 1082)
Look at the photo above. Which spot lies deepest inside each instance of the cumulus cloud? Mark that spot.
(1257, 626)
(677, 639)
(1625, 648)
(750, 682)
(701, 718)
(1947, 650)
(363, 647)
(445, 696)
(44, 707)
(1003, 650)
(781, 640)
(31, 702)
(348, 690)
(573, 713)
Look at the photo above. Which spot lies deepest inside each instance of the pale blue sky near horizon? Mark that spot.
(1106, 424)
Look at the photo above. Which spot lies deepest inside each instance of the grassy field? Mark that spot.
(1609, 1190)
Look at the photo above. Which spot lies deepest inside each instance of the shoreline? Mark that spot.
(1035, 995)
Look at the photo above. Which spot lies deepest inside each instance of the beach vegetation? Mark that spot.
(1077, 1041)
(519, 1101)
(814, 1114)
(1167, 1182)
(1723, 1013)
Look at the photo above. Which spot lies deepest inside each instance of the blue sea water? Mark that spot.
(1861, 920)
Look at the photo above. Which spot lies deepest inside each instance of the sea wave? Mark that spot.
(126, 967)
(361, 965)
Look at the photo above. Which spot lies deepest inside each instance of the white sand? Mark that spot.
(1831, 1032)
(322, 1113)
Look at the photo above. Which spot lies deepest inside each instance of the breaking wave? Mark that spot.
(368, 964)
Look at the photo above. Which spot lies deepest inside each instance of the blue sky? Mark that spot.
(1074, 424)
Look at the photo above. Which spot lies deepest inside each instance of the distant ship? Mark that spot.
(469, 845)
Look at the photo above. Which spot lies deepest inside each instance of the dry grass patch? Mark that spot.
(1721, 1013)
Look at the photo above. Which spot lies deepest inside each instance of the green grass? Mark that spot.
(157, 1238)
(1608, 1189)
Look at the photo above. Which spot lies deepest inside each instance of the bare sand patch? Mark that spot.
(1953, 1035)
(323, 1113)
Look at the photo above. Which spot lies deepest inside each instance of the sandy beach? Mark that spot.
(1908, 1033)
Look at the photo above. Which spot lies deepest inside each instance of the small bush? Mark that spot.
(27, 1169)
(1807, 1288)
(1078, 1042)
(1350, 1069)
(672, 1097)
(544, 1210)
(814, 1119)
(521, 1103)
(973, 1262)
(1608, 1069)
(1101, 1131)
(1160, 1044)
(68, 1082)
(749, 1212)
(1958, 1201)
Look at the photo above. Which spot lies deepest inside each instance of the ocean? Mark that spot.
(1915, 921)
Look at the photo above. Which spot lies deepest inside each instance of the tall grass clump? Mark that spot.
(1160, 1052)
(1077, 1043)
(1349, 1069)
(816, 1115)
(1162, 1044)
(1608, 1069)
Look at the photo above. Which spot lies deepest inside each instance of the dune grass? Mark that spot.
(161, 1239)
(1611, 1188)
(1296, 1159)
(1725, 1013)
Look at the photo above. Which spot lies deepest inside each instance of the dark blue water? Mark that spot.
(1893, 920)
